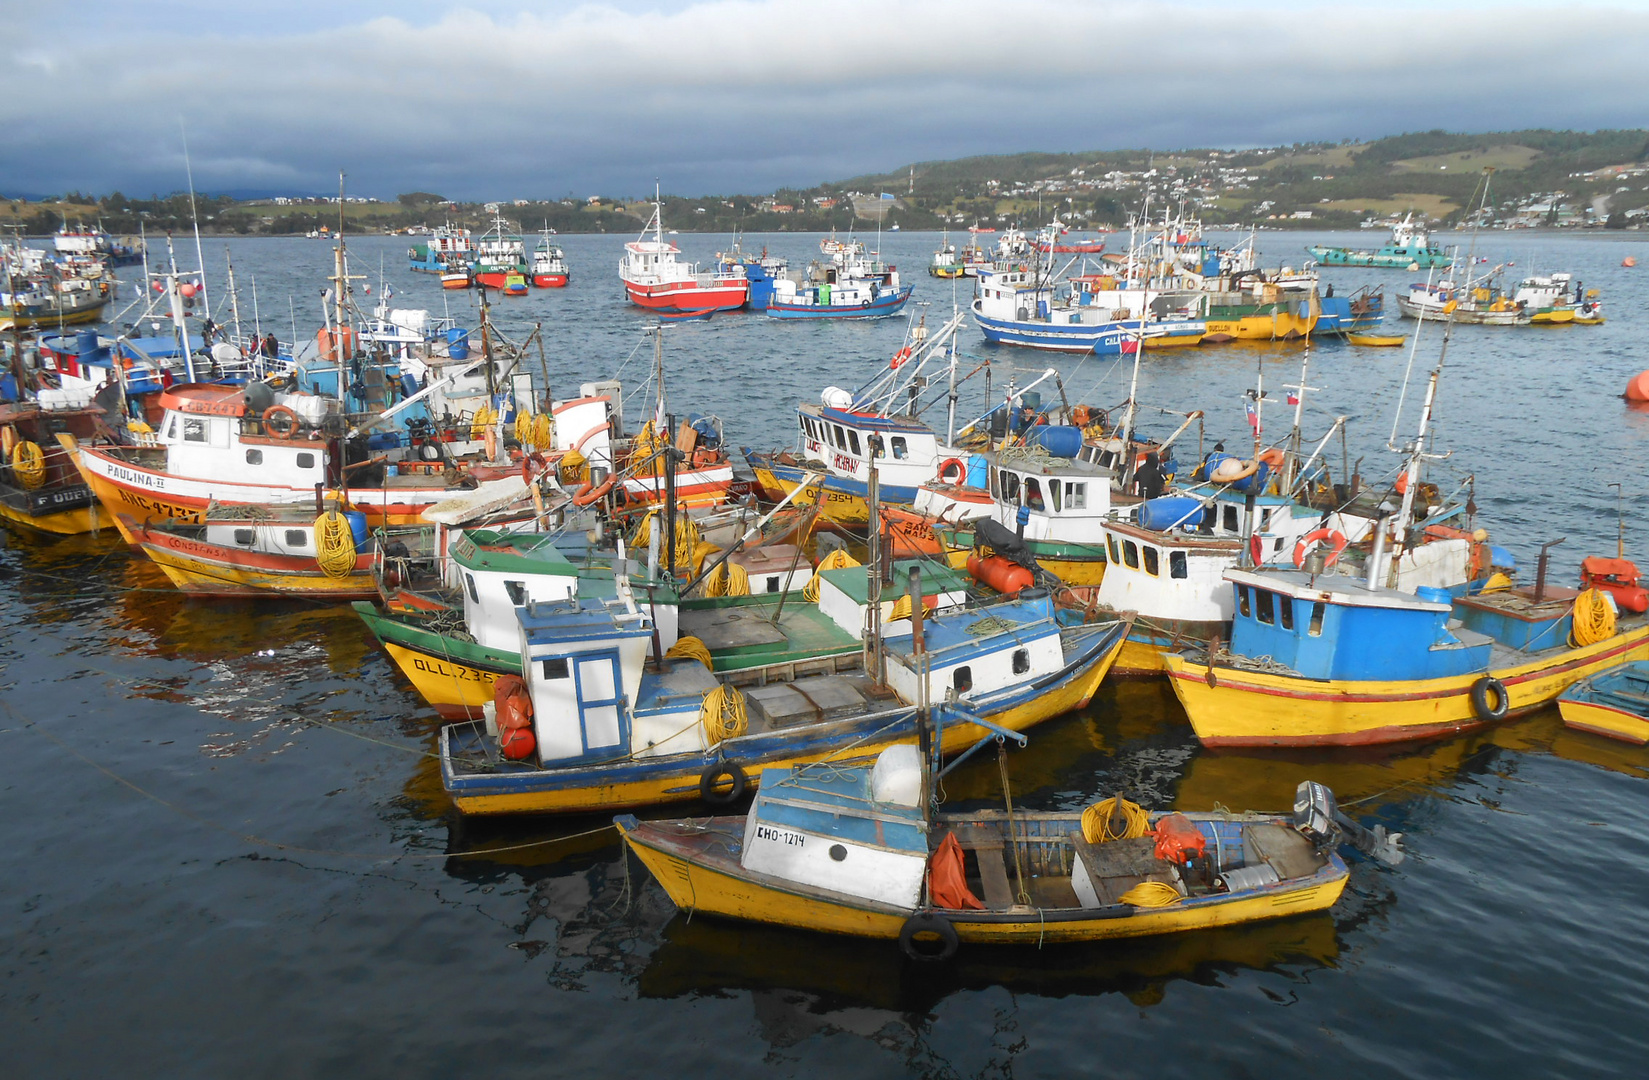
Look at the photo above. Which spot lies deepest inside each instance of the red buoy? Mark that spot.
(517, 743)
(1004, 575)
(1629, 261)
(1638, 388)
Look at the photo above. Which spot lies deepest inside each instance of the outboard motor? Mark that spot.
(1319, 818)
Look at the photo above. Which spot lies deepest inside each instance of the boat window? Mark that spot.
(1262, 607)
(1316, 627)
(1111, 544)
(1230, 519)
(900, 450)
(841, 439)
(194, 429)
(171, 430)
(1053, 493)
(1010, 486)
(1033, 494)
(1076, 496)
(469, 579)
(1242, 600)
(244, 537)
(853, 441)
(1176, 564)
(306, 461)
(1151, 564)
(556, 668)
(1021, 661)
(962, 679)
(517, 591)
(1130, 555)
(1265, 521)
(297, 538)
(254, 457)
(1285, 611)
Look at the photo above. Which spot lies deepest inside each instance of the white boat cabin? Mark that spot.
(210, 434)
(837, 436)
(1068, 502)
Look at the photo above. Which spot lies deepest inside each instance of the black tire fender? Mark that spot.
(710, 780)
(1489, 699)
(928, 938)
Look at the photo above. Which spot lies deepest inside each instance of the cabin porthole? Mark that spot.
(838, 852)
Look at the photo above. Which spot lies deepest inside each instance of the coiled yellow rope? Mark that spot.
(1113, 819)
(723, 714)
(1151, 894)
(28, 464)
(484, 418)
(727, 579)
(690, 648)
(702, 553)
(1594, 619)
(573, 468)
(646, 457)
(543, 431)
(334, 545)
(836, 560)
(901, 608)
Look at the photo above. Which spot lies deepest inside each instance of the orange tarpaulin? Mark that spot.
(947, 880)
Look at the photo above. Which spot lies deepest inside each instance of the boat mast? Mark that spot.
(234, 296)
(179, 326)
(200, 258)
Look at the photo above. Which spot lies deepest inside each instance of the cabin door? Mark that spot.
(600, 703)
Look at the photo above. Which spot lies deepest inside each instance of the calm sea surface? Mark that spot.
(230, 854)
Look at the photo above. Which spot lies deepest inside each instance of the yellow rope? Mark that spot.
(702, 551)
(334, 545)
(1151, 894)
(836, 560)
(646, 457)
(690, 648)
(723, 714)
(727, 579)
(573, 468)
(901, 608)
(28, 464)
(484, 419)
(1113, 819)
(1594, 619)
(543, 431)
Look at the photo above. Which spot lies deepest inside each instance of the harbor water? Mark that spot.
(230, 853)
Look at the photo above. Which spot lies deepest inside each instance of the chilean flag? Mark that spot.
(1293, 397)
(1253, 410)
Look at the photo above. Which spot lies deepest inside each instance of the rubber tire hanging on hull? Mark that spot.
(1482, 689)
(710, 791)
(926, 923)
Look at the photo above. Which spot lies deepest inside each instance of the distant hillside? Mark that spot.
(1554, 178)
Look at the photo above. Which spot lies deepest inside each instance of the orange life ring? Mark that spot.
(899, 357)
(590, 492)
(285, 431)
(945, 468)
(1256, 549)
(1335, 539)
(1273, 457)
(489, 439)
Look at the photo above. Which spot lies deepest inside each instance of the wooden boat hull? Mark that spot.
(1614, 703)
(648, 781)
(549, 281)
(839, 499)
(203, 569)
(1605, 720)
(68, 510)
(698, 883)
(1256, 708)
(1274, 326)
(689, 295)
(455, 677)
(883, 306)
(1377, 341)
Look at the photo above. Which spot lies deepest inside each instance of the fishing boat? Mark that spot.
(1546, 299)
(655, 277)
(602, 726)
(1024, 307)
(852, 285)
(38, 293)
(1377, 341)
(1410, 248)
(549, 263)
(456, 278)
(1319, 660)
(762, 272)
(92, 243)
(499, 253)
(447, 251)
(515, 284)
(1479, 301)
(859, 851)
(1613, 703)
(946, 262)
(40, 489)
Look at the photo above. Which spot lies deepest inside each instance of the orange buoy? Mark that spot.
(1002, 574)
(1638, 388)
(1629, 261)
(517, 743)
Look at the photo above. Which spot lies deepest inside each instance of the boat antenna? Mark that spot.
(1620, 522)
(200, 258)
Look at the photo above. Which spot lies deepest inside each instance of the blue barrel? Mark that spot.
(458, 343)
(978, 471)
(357, 526)
(1209, 464)
(384, 440)
(1170, 511)
(409, 384)
(85, 343)
(1059, 440)
(1434, 595)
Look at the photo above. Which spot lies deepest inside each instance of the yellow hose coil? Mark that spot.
(334, 545)
(728, 579)
(1113, 819)
(573, 468)
(901, 608)
(690, 648)
(484, 419)
(1151, 894)
(1594, 619)
(28, 464)
(836, 560)
(723, 714)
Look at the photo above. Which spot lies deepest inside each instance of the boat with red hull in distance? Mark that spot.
(655, 278)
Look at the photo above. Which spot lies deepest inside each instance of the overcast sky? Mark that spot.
(542, 100)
